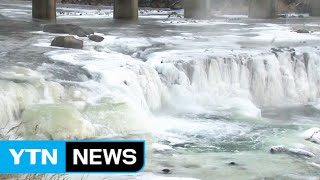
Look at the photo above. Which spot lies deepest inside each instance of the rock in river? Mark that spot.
(301, 152)
(166, 171)
(60, 28)
(82, 32)
(67, 29)
(67, 42)
(96, 38)
(302, 31)
(291, 151)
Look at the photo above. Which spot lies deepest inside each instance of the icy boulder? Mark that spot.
(312, 135)
(20, 88)
(55, 122)
(291, 151)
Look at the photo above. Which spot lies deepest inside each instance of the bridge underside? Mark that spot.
(198, 9)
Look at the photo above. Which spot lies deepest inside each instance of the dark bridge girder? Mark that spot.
(314, 7)
(44, 9)
(199, 9)
(262, 9)
(126, 9)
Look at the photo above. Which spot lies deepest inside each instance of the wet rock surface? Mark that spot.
(67, 42)
(79, 32)
(233, 164)
(315, 138)
(96, 38)
(67, 29)
(166, 171)
(60, 28)
(302, 31)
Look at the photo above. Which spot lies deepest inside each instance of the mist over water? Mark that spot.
(203, 93)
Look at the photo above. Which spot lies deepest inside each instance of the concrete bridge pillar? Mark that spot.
(263, 9)
(314, 7)
(125, 9)
(44, 9)
(198, 9)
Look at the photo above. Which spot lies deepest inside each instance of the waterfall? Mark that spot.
(270, 78)
(129, 90)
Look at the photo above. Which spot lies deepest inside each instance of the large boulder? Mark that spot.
(67, 42)
(67, 29)
(96, 38)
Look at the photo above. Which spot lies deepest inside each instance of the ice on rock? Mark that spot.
(53, 92)
(161, 147)
(291, 151)
(54, 122)
(301, 152)
(308, 133)
(20, 88)
(128, 78)
(78, 95)
(117, 118)
(171, 75)
(278, 149)
(77, 99)
(312, 135)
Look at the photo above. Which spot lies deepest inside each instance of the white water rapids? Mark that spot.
(202, 93)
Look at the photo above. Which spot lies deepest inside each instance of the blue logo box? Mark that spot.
(28, 157)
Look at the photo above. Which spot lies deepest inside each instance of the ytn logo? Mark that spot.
(71, 156)
(53, 158)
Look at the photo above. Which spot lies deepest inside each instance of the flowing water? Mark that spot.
(210, 97)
